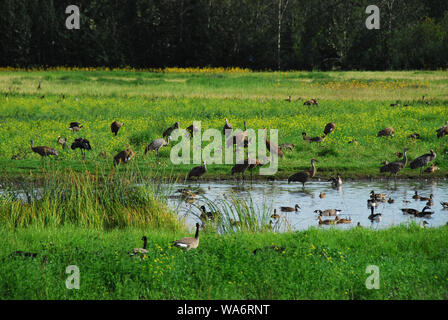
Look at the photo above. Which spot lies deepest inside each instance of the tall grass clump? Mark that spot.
(237, 214)
(98, 201)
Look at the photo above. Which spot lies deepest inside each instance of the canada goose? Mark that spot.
(416, 213)
(336, 182)
(358, 225)
(207, 215)
(416, 196)
(140, 251)
(377, 196)
(235, 223)
(374, 216)
(290, 209)
(390, 200)
(444, 205)
(319, 218)
(426, 198)
(328, 212)
(275, 215)
(339, 220)
(322, 195)
(188, 242)
(371, 203)
(425, 223)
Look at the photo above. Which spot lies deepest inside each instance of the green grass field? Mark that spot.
(316, 264)
(148, 103)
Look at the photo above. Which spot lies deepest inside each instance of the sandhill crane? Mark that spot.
(115, 126)
(227, 128)
(386, 132)
(423, 160)
(43, 151)
(188, 242)
(442, 130)
(157, 144)
(252, 165)
(272, 147)
(396, 166)
(239, 138)
(82, 144)
(286, 146)
(305, 175)
(123, 156)
(75, 126)
(240, 168)
(336, 182)
(192, 130)
(168, 131)
(197, 171)
(329, 128)
(62, 142)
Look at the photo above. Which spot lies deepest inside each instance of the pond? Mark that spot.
(351, 199)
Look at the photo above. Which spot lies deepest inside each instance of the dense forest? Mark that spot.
(256, 34)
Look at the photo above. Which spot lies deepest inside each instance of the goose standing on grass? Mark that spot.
(123, 156)
(442, 131)
(115, 126)
(305, 175)
(329, 128)
(75, 126)
(188, 242)
(62, 142)
(197, 171)
(140, 251)
(423, 160)
(227, 129)
(43, 151)
(386, 132)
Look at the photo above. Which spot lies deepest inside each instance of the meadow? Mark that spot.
(313, 264)
(86, 212)
(149, 102)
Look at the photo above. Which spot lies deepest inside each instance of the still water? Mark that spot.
(351, 199)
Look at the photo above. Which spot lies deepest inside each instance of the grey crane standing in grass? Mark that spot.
(197, 171)
(240, 168)
(188, 243)
(396, 166)
(423, 160)
(115, 126)
(82, 144)
(305, 175)
(157, 144)
(43, 151)
(168, 131)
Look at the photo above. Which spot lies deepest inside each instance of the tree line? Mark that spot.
(255, 34)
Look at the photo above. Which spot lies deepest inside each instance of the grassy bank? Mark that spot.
(148, 103)
(316, 264)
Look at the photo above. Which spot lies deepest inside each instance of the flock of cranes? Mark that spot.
(241, 139)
